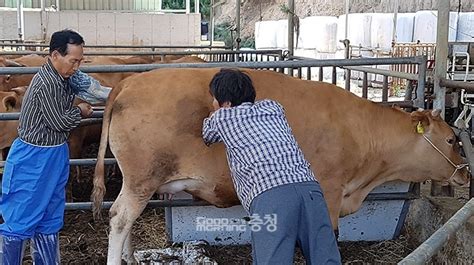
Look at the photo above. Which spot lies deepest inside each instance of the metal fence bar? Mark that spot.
(82, 162)
(348, 80)
(320, 74)
(465, 138)
(407, 76)
(468, 86)
(365, 85)
(152, 203)
(334, 75)
(9, 116)
(136, 53)
(279, 64)
(433, 244)
(120, 46)
(385, 89)
(420, 90)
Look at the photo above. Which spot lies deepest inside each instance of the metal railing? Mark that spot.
(419, 99)
(4, 43)
(210, 56)
(435, 242)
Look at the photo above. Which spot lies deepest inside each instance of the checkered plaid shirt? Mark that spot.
(261, 150)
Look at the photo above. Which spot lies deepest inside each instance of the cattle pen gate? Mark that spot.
(387, 205)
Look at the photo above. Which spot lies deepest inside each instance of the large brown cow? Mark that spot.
(153, 123)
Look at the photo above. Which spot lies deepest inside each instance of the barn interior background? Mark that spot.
(321, 24)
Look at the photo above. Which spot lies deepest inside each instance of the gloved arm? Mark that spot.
(88, 89)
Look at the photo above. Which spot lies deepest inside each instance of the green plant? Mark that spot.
(222, 33)
(204, 6)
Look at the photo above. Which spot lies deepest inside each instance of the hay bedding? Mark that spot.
(84, 241)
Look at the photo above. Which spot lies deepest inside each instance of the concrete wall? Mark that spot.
(119, 28)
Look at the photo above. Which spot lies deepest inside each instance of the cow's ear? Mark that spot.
(420, 121)
(9, 102)
(436, 113)
(20, 91)
(11, 63)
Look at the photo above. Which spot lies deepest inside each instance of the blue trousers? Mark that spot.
(33, 190)
(292, 214)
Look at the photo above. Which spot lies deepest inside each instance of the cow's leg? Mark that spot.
(125, 210)
(333, 201)
(127, 253)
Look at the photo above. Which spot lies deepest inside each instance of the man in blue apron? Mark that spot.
(37, 167)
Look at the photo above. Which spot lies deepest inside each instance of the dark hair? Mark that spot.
(60, 40)
(232, 85)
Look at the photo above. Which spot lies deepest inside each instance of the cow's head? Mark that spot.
(437, 148)
(10, 101)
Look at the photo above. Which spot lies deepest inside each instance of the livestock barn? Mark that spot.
(395, 174)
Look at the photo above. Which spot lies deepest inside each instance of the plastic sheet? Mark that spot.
(281, 34)
(382, 31)
(318, 32)
(88, 89)
(45, 249)
(405, 24)
(426, 23)
(465, 27)
(265, 34)
(12, 250)
(358, 30)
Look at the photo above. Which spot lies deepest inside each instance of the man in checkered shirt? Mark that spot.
(270, 174)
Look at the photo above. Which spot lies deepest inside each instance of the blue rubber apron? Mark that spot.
(33, 189)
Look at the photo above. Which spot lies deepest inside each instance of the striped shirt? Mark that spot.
(47, 114)
(261, 150)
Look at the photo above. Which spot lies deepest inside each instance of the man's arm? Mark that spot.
(88, 89)
(55, 116)
(210, 134)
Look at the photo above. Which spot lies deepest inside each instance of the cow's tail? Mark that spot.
(98, 191)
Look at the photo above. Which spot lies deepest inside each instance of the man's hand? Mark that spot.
(86, 109)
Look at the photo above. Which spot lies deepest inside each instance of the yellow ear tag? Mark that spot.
(419, 128)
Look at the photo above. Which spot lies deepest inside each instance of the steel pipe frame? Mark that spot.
(9, 116)
(258, 65)
(116, 46)
(465, 138)
(369, 70)
(435, 242)
(469, 87)
(191, 202)
(130, 53)
(152, 203)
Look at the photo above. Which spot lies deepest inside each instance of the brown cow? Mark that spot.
(8, 82)
(153, 123)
